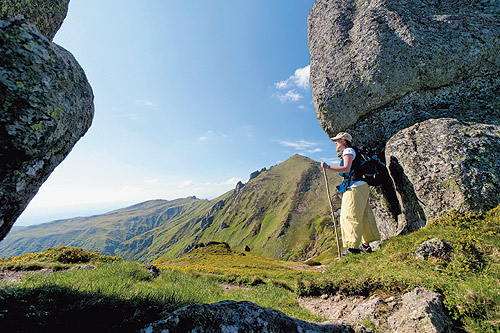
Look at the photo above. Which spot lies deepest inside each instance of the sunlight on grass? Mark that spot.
(469, 281)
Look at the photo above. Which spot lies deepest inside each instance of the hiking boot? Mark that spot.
(350, 250)
(365, 248)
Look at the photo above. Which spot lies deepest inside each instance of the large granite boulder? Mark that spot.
(392, 63)
(232, 316)
(444, 164)
(47, 106)
(381, 70)
(47, 15)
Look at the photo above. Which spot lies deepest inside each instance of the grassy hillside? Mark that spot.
(123, 296)
(102, 233)
(282, 213)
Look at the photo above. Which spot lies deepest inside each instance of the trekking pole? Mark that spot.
(331, 207)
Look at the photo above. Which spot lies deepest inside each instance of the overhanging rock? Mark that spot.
(46, 107)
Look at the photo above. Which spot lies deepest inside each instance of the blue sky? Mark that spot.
(190, 97)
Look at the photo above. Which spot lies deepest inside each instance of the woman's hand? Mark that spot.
(324, 165)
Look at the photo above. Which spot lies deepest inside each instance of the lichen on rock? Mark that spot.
(47, 15)
(47, 106)
(444, 164)
(366, 55)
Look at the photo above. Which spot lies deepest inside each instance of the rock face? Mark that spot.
(47, 106)
(382, 70)
(367, 55)
(231, 316)
(238, 187)
(444, 164)
(206, 221)
(47, 15)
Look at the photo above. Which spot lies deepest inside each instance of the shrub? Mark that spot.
(56, 258)
(73, 255)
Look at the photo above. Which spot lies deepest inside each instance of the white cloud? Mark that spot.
(299, 79)
(281, 84)
(142, 102)
(186, 183)
(302, 145)
(210, 134)
(131, 116)
(289, 96)
(331, 161)
(231, 181)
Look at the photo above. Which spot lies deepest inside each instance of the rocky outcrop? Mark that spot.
(206, 221)
(420, 310)
(153, 270)
(47, 15)
(256, 173)
(366, 56)
(231, 316)
(434, 248)
(47, 106)
(238, 187)
(223, 225)
(444, 164)
(399, 71)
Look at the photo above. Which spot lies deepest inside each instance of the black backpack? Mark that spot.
(368, 167)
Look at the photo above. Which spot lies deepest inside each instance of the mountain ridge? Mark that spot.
(282, 213)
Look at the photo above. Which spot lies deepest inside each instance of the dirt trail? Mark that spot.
(11, 276)
(304, 267)
(14, 276)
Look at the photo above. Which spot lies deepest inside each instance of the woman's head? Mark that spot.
(342, 140)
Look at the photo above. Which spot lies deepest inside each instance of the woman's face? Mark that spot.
(339, 145)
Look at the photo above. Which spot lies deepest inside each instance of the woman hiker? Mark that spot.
(357, 222)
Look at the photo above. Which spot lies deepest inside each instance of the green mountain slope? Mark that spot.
(282, 213)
